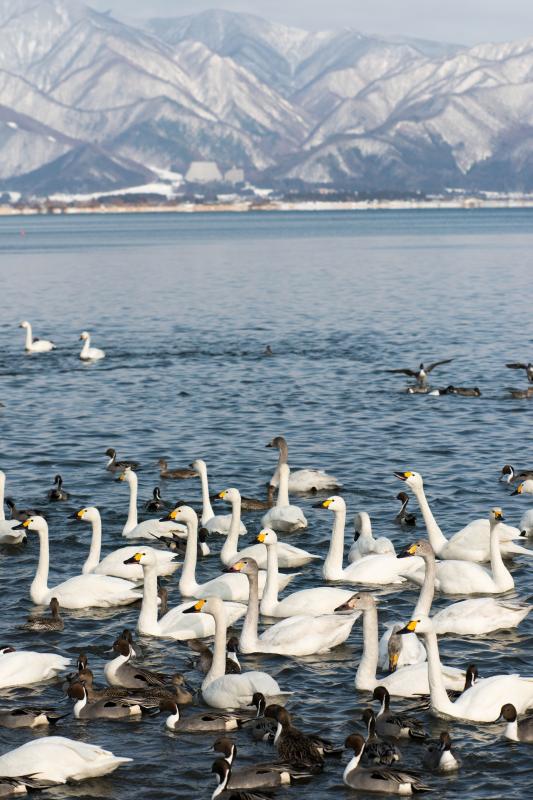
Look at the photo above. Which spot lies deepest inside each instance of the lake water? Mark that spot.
(184, 306)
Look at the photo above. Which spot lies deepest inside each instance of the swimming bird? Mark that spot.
(439, 757)
(376, 779)
(395, 726)
(89, 353)
(120, 672)
(464, 391)
(527, 367)
(10, 532)
(404, 517)
(214, 524)
(33, 344)
(253, 504)
(20, 514)
(52, 623)
(100, 709)
(510, 475)
(526, 487)
(205, 656)
(222, 770)
(156, 503)
(516, 730)
(283, 516)
(261, 728)
(205, 722)
(57, 493)
(24, 667)
(293, 746)
(133, 529)
(268, 351)
(113, 465)
(301, 480)
(148, 698)
(521, 394)
(175, 474)
(418, 389)
(261, 776)
(376, 750)
(422, 372)
(364, 543)
(27, 717)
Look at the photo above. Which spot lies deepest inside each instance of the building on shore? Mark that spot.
(203, 172)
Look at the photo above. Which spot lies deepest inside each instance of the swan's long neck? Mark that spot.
(435, 535)
(365, 677)
(439, 697)
(79, 705)
(425, 598)
(332, 569)
(218, 665)
(283, 490)
(207, 508)
(228, 554)
(39, 586)
(93, 559)
(249, 635)
(352, 765)
(500, 573)
(188, 584)
(2, 489)
(365, 526)
(132, 520)
(270, 592)
(147, 622)
(29, 337)
(283, 458)
(86, 346)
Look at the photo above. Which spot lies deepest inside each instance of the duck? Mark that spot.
(261, 728)
(510, 475)
(376, 750)
(471, 543)
(310, 602)
(58, 759)
(229, 691)
(222, 770)
(80, 591)
(228, 586)
(155, 503)
(206, 722)
(9, 528)
(174, 624)
(178, 546)
(409, 681)
(364, 543)
(89, 353)
(475, 616)
(57, 493)
(293, 746)
(24, 667)
(27, 717)
(120, 672)
(464, 391)
(254, 504)
(43, 624)
(516, 730)
(33, 344)
(293, 636)
(113, 564)
(283, 516)
(395, 726)
(521, 394)
(262, 776)
(418, 389)
(375, 779)
(520, 365)
(114, 466)
(422, 372)
(324, 746)
(100, 709)
(288, 555)
(214, 524)
(526, 487)
(205, 656)
(374, 569)
(148, 698)
(301, 481)
(439, 757)
(20, 514)
(482, 702)
(175, 474)
(133, 529)
(404, 517)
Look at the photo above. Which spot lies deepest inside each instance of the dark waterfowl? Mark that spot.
(222, 770)
(205, 656)
(377, 779)
(28, 717)
(521, 394)
(258, 776)
(517, 730)
(395, 726)
(261, 728)
(422, 372)
(439, 756)
(100, 709)
(175, 474)
(113, 465)
(377, 751)
(253, 504)
(52, 623)
(21, 514)
(205, 722)
(527, 367)
(464, 391)
(56, 493)
(404, 517)
(156, 503)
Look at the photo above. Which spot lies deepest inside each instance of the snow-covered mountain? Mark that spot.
(89, 103)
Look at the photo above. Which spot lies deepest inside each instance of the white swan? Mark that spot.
(526, 487)
(174, 624)
(483, 701)
(526, 523)
(89, 353)
(288, 555)
(310, 602)
(133, 529)
(9, 528)
(408, 681)
(58, 760)
(227, 587)
(113, 564)
(81, 591)
(301, 480)
(466, 577)
(375, 569)
(34, 345)
(471, 543)
(294, 636)
(364, 543)
(24, 667)
(214, 524)
(283, 516)
(229, 691)
(475, 616)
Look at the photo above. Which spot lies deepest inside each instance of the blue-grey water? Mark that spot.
(184, 306)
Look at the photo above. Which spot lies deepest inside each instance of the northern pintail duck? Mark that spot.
(57, 493)
(113, 465)
(404, 517)
(175, 474)
(377, 779)
(439, 756)
(52, 623)
(517, 730)
(377, 751)
(395, 726)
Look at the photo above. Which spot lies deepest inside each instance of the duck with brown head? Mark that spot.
(100, 709)
(42, 624)
(439, 756)
(374, 779)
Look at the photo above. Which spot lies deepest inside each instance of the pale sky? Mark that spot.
(457, 21)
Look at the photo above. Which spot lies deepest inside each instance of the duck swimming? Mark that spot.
(404, 517)
(175, 474)
(57, 493)
(156, 503)
(52, 623)
(113, 465)
(376, 779)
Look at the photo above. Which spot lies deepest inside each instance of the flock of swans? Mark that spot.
(471, 568)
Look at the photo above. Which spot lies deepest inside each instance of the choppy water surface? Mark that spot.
(184, 306)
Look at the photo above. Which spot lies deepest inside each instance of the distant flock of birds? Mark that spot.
(422, 386)
(306, 622)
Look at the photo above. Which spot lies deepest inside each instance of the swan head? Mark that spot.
(508, 712)
(526, 487)
(420, 625)
(362, 525)
(84, 335)
(356, 743)
(37, 524)
(24, 324)
(90, 514)
(496, 515)
(183, 514)
(199, 465)
(212, 605)
(412, 479)
(267, 536)
(229, 495)
(362, 601)
(278, 442)
(145, 558)
(333, 503)
(420, 548)
(127, 474)
(246, 566)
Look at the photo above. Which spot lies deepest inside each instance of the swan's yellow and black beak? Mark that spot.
(519, 489)
(261, 537)
(402, 475)
(237, 567)
(23, 525)
(135, 558)
(409, 551)
(410, 627)
(196, 608)
(221, 495)
(393, 661)
(323, 503)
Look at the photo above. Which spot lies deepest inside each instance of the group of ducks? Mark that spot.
(305, 622)
(422, 386)
(33, 344)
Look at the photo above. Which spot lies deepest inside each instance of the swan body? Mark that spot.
(283, 516)
(24, 667)
(89, 353)
(175, 624)
(133, 529)
(294, 636)
(113, 564)
(288, 556)
(214, 524)
(229, 691)
(81, 591)
(58, 760)
(35, 345)
(8, 534)
(373, 569)
(301, 481)
(483, 701)
(526, 487)
(526, 523)
(364, 543)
